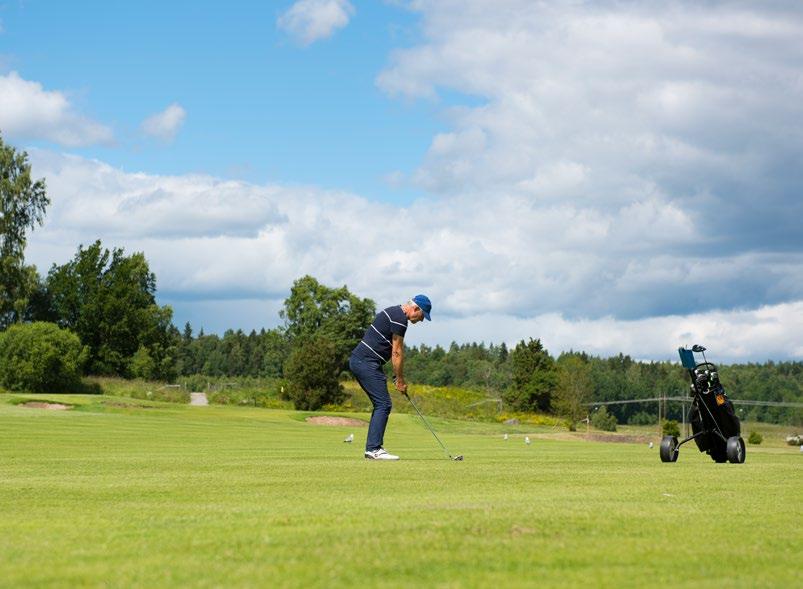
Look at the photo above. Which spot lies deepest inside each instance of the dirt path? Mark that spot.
(198, 399)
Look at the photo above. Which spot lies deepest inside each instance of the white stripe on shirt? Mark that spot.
(373, 350)
(391, 320)
(380, 333)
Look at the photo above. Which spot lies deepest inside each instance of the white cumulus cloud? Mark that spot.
(621, 177)
(29, 111)
(165, 124)
(698, 106)
(496, 270)
(311, 20)
(739, 335)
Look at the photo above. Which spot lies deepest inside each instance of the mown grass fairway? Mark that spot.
(182, 496)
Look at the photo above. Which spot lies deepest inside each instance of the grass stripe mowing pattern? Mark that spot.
(177, 496)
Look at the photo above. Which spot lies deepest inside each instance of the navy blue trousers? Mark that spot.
(375, 384)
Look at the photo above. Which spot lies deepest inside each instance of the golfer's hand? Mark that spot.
(401, 386)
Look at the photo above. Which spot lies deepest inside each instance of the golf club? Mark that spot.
(459, 457)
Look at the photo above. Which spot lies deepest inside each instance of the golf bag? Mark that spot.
(715, 428)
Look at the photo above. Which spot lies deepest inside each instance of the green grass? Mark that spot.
(120, 492)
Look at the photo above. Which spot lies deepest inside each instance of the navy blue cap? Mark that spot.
(423, 303)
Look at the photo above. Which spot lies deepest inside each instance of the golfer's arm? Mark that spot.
(397, 357)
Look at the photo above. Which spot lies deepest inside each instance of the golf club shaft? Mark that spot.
(428, 426)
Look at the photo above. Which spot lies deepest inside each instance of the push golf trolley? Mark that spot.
(715, 427)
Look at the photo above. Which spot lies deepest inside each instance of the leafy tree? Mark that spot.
(108, 299)
(313, 309)
(215, 364)
(755, 438)
(670, 428)
(312, 371)
(23, 202)
(276, 350)
(41, 358)
(574, 388)
(142, 365)
(254, 354)
(503, 353)
(160, 337)
(185, 360)
(456, 364)
(233, 348)
(603, 420)
(38, 301)
(641, 418)
(534, 377)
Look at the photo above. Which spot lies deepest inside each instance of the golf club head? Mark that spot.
(459, 457)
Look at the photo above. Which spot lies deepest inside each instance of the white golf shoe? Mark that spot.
(380, 454)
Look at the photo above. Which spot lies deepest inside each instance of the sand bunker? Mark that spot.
(329, 420)
(41, 405)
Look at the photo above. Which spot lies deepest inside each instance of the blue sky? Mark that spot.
(261, 105)
(606, 176)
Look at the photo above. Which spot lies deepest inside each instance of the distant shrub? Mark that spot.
(603, 420)
(196, 383)
(41, 358)
(312, 371)
(142, 365)
(137, 388)
(755, 438)
(670, 428)
(641, 418)
(535, 377)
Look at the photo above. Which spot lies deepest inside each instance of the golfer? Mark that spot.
(383, 341)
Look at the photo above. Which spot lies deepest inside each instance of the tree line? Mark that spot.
(105, 302)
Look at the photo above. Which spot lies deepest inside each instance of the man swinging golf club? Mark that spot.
(383, 341)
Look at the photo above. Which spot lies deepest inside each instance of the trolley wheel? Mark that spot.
(735, 450)
(669, 449)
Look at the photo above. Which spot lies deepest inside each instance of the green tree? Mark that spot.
(670, 428)
(534, 377)
(40, 358)
(161, 338)
(603, 420)
(313, 309)
(503, 353)
(276, 351)
(185, 358)
(38, 306)
(108, 300)
(142, 365)
(574, 388)
(312, 371)
(23, 202)
(755, 438)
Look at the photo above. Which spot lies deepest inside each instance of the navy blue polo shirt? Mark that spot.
(376, 343)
